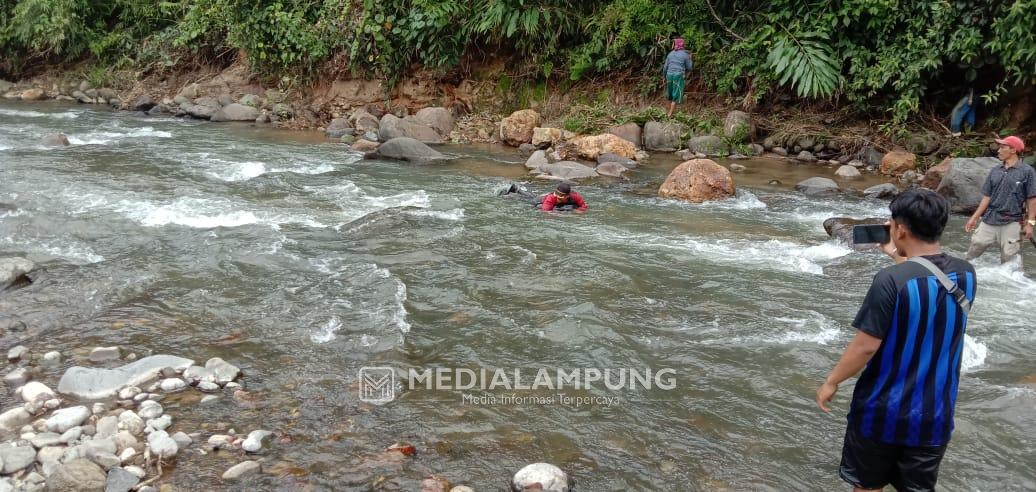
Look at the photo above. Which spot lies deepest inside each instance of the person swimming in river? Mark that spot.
(563, 198)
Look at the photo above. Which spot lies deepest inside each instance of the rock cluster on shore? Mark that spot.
(116, 443)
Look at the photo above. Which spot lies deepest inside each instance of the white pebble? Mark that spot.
(35, 392)
(208, 387)
(99, 408)
(52, 358)
(172, 384)
(149, 409)
(136, 470)
(140, 397)
(17, 353)
(128, 393)
(131, 422)
(127, 454)
(160, 423)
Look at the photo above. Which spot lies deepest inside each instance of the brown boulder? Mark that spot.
(543, 138)
(698, 180)
(591, 147)
(33, 95)
(363, 145)
(898, 162)
(934, 175)
(517, 128)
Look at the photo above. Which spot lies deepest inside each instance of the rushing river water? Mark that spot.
(298, 261)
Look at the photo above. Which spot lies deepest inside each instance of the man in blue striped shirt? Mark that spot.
(909, 340)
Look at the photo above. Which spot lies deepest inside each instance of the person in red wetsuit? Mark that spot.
(563, 196)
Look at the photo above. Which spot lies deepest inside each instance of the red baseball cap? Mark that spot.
(1013, 142)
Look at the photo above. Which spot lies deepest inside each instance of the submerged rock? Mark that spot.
(817, 186)
(242, 470)
(96, 383)
(568, 170)
(76, 475)
(56, 140)
(540, 477)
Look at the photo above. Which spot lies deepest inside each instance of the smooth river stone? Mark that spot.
(97, 383)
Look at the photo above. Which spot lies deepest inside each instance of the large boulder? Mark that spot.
(817, 186)
(962, 183)
(203, 108)
(14, 270)
(92, 383)
(439, 119)
(543, 138)
(841, 228)
(34, 94)
(338, 127)
(698, 180)
(933, 176)
(592, 146)
(662, 137)
(143, 103)
(922, 143)
(709, 145)
(629, 132)
(738, 124)
(567, 170)
(392, 127)
(898, 162)
(517, 128)
(79, 475)
(872, 156)
(235, 112)
(406, 149)
(363, 121)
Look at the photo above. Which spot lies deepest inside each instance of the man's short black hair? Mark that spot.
(923, 212)
(565, 188)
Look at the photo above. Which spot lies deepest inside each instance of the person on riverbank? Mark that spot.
(909, 339)
(563, 197)
(963, 114)
(1008, 191)
(677, 64)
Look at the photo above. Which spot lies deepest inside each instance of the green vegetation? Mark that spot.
(893, 55)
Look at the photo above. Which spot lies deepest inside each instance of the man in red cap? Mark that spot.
(1008, 207)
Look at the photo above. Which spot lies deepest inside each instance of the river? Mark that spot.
(301, 263)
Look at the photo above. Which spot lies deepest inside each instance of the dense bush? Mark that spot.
(887, 54)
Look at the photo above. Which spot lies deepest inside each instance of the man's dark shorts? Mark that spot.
(870, 464)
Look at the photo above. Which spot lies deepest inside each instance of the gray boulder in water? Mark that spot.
(393, 127)
(662, 137)
(962, 182)
(56, 140)
(817, 186)
(13, 269)
(568, 170)
(95, 383)
(406, 149)
(235, 112)
(884, 190)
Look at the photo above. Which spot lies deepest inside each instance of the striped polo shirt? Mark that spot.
(907, 393)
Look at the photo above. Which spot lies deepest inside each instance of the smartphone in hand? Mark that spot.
(871, 234)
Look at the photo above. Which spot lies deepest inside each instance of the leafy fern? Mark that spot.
(806, 63)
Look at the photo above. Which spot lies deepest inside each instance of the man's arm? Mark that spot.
(688, 64)
(548, 203)
(1030, 207)
(580, 203)
(854, 359)
(973, 221)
